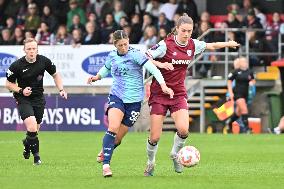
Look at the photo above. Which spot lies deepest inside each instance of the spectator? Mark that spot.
(13, 8)
(130, 7)
(256, 44)
(18, 36)
(92, 17)
(43, 36)
(3, 5)
(76, 38)
(6, 38)
(203, 69)
(169, 9)
(10, 24)
(76, 24)
(60, 10)
(153, 8)
(232, 22)
(162, 34)
(118, 12)
(136, 30)
(205, 17)
(62, 37)
(49, 18)
(123, 22)
(272, 32)
(260, 16)
(92, 34)
(108, 27)
(253, 22)
(164, 23)
(32, 20)
(131, 35)
(29, 34)
(246, 6)
(149, 38)
(95, 6)
(189, 7)
(147, 21)
(75, 10)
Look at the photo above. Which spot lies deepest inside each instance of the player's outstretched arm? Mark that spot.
(230, 89)
(219, 45)
(103, 72)
(92, 79)
(164, 65)
(159, 77)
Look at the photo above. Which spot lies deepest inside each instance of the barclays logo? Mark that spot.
(93, 63)
(5, 61)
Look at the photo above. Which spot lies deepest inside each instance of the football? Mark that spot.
(188, 156)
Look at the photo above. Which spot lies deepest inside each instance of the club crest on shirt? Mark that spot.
(189, 52)
(39, 77)
(155, 47)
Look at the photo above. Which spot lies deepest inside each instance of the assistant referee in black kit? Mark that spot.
(25, 80)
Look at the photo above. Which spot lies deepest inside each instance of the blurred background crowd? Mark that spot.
(84, 22)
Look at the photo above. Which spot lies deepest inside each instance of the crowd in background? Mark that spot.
(84, 22)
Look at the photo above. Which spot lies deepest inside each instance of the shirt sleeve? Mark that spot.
(157, 51)
(139, 57)
(154, 71)
(11, 74)
(232, 76)
(200, 46)
(251, 75)
(105, 70)
(50, 66)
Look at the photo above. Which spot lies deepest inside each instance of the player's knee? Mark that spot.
(31, 124)
(183, 134)
(152, 142)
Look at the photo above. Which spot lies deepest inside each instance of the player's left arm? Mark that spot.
(220, 45)
(142, 60)
(51, 69)
(59, 84)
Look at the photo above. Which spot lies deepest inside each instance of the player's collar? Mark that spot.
(179, 44)
(30, 61)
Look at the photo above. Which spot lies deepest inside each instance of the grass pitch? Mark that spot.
(69, 161)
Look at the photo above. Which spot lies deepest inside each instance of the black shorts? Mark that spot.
(240, 95)
(31, 106)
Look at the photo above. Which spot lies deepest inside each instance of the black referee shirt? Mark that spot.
(30, 74)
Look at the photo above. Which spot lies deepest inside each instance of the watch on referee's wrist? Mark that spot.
(61, 90)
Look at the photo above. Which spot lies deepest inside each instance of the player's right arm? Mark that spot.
(158, 51)
(103, 72)
(231, 77)
(11, 82)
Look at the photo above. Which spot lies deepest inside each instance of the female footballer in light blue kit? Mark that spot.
(127, 92)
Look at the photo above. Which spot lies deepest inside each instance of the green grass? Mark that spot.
(69, 161)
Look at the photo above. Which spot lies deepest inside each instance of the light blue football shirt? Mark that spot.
(127, 73)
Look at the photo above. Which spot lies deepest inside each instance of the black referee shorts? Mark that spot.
(31, 106)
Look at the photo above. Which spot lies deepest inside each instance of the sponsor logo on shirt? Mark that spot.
(180, 61)
(155, 47)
